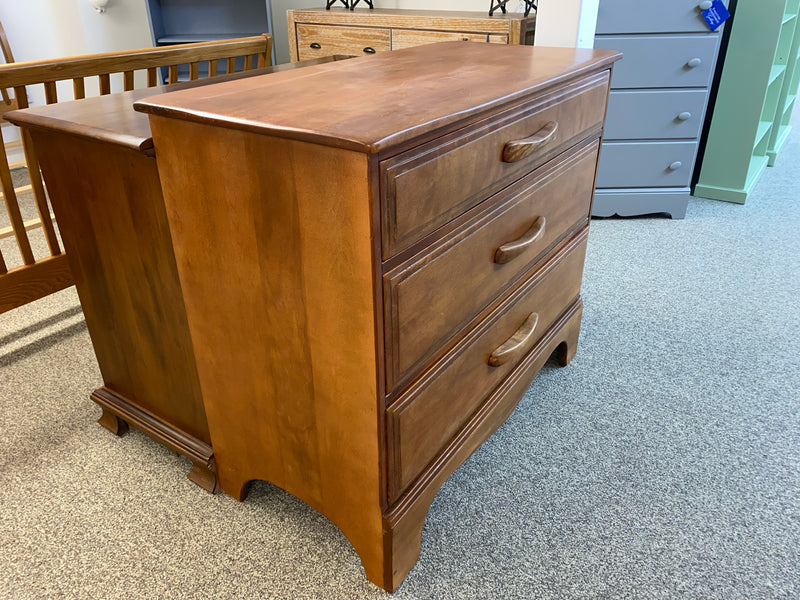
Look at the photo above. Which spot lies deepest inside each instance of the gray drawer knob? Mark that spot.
(695, 62)
(676, 165)
(705, 5)
(684, 116)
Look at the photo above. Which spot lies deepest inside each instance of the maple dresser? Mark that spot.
(372, 286)
(99, 165)
(316, 32)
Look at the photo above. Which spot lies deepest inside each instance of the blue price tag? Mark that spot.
(716, 15)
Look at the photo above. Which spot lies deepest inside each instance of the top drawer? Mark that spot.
(315, 41)
(635, 16)
(430, 185)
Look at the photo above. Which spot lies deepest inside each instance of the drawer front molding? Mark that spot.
(426, 187)
(434, 409)
(433, 295)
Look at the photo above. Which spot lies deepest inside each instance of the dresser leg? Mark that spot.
(113, 423)
(566, 350)
(204, 474)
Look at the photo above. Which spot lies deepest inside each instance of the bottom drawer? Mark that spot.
(432, 411)
(645, 164)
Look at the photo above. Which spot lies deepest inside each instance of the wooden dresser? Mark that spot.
(371, 288)
(316, 32)
(97, 159)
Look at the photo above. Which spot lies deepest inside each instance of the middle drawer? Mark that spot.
(430, 297)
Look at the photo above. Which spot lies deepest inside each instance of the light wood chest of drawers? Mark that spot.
(317, 32)
(371, 289)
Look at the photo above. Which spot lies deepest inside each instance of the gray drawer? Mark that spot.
(645, 164)
(660, 60)
(635, 16)
(648, 114)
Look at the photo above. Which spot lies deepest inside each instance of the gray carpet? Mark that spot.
(664, 462)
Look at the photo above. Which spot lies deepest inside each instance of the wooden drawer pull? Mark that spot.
(315, 45)
(511, 250)
(517, 344)
(518, 149)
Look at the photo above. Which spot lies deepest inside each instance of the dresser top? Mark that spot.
(398, 17)
(111, 118)
(372, 103)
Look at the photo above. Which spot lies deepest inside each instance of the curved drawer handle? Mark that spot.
(517, 344)
(369, 50)
(684, 116)
(316, 46)
(518, 149)
(511, 250)
(705, 5)
(675, 166)
(694, 62)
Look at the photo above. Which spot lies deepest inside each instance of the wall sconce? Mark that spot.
(99, 5)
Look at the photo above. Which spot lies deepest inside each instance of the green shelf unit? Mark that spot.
(789, 53)
(755, 98)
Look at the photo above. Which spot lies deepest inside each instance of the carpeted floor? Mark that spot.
(664, 462)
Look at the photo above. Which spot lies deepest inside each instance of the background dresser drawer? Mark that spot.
(430, 297)
(422, 422)
(635, 16)
(428, 186)
(639, 114)
(405, 38)
(335, 39)
(661, 61)
(645, 164)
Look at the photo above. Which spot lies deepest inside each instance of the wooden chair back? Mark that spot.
(38, 277)
(7, 101)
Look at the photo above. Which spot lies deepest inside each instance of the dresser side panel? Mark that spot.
(275, 252)
(107, 200)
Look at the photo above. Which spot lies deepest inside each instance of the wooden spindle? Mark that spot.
(105, 84)
(194, 70)
(78, 88)
(21, 94)
(173, 73)
(12, 206)
(50, 92)
(231, 65)
(152, 77)
(212, 68)
(128, 80)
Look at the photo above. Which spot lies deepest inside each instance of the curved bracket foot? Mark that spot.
(113, 423)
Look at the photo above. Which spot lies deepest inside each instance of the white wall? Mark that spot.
(566, 23)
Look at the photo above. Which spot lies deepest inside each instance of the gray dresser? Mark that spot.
(659, 93)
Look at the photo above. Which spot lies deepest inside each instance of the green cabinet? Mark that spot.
(756, 95)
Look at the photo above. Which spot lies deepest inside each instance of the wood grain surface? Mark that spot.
(375, 107)
(112, 118)
(108, 203)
